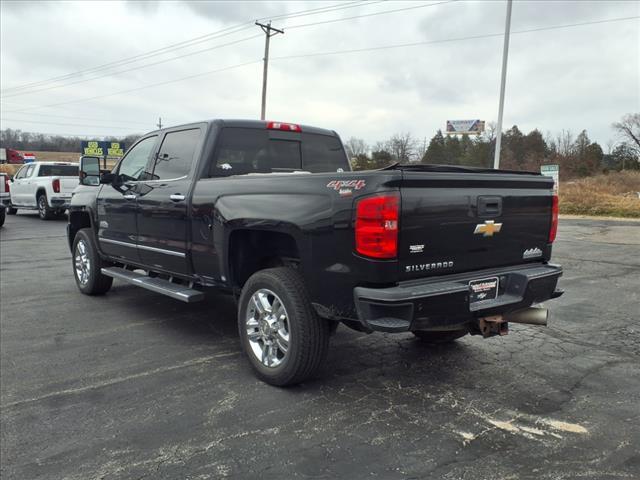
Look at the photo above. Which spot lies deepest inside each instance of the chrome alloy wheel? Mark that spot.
(82, 262)
(42, 206)
(267, 326)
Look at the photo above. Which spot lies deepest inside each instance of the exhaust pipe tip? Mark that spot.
(529, 316)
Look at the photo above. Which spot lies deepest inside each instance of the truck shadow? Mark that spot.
(369, 358)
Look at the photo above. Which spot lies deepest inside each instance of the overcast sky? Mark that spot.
(585, 77)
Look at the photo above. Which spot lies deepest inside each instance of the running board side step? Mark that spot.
(158, 285)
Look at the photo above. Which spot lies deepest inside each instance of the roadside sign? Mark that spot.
(97, 148)
(115, 149)
(552, 171)
(94, 148)
(465, 127)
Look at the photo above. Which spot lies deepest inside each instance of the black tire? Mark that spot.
(3, 215)
(95, 283)
(12, 211)
(439, 337)
(307, 334)
(44, 211)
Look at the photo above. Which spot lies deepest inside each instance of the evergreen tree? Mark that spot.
(453, 150)
(513, 149)
(435, 151)
(381, 158)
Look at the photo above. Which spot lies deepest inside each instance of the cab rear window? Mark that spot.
(248, 150)
(58, 171)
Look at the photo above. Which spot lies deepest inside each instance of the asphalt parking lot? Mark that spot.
(138, 386)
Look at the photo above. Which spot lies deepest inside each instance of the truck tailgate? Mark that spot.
(67, 185)
(458, 222)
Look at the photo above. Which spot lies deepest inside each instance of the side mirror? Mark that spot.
(89, 170)
(107, 178)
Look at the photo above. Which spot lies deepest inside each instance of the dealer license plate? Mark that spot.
(483, 289)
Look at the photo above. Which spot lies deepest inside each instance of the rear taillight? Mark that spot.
(377, 226)
(554, 219)
(56, 185)
(6, 183)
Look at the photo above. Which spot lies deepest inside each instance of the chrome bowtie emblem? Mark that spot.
(488, 228)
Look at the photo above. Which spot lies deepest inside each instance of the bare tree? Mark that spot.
(564, 142)
(402, 146)
(550, 142)
(381, 147)
(356, 146)
(629, 130)
(490, 131)
(421, 149)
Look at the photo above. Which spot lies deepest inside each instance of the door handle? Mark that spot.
(176, 197)
(129, 196)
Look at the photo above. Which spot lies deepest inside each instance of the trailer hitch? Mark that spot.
(499, 324)
(494, 325)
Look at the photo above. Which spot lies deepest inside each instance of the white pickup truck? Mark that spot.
(5, 199)
(43, 186)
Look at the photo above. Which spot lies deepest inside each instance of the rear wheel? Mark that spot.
(2, 216)
(439, 337)
(12, 211)
(44, 211)
(87, 265)
(285, 340)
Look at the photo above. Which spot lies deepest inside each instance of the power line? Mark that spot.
(188, 43)
(337, 52)
(370, 14)
(64, 124)
(133, 68)
(79, 118)
(28, 91)
(143, 87)
(135, 58)
(53, 87)
(446, 40)
(320, 10)
(93, 136)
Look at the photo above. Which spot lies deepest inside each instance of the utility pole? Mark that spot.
(267, 29)
(159, 124)
(503, 81)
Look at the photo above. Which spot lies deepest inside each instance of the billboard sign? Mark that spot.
(93, 148)
(115, 149)
(465, 127)
(102, 149)
(552, 171)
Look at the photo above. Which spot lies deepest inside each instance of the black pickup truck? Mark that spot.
(272, 213)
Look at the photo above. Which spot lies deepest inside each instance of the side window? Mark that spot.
(20, 173)
(323, 153)
(29, 171)
(133, 165)
(249, 150)
(176, 154)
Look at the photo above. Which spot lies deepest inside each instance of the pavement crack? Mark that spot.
(113, 381)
